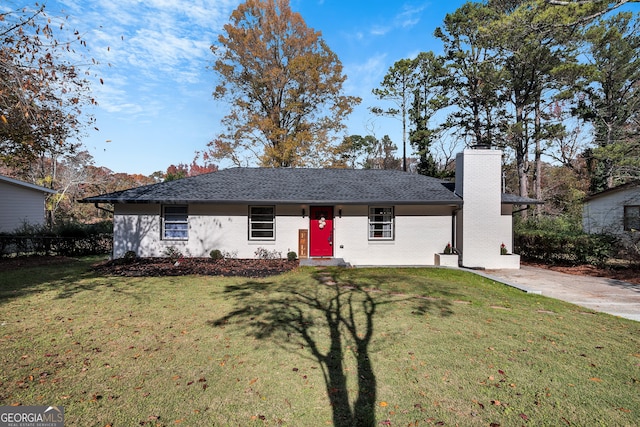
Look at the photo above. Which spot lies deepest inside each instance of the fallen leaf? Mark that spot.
(596, 379)
(496, 402)
(523, 416)
(253, 381)
(383, 404)
(624, 410)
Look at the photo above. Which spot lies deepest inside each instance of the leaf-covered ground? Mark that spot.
(628, 273)
(331, 346)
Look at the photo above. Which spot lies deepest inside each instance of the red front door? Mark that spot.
(321, 233)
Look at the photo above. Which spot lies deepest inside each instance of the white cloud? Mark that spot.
(147, 47)
(409, 17)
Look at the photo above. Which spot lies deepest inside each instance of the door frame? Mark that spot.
(315, 234)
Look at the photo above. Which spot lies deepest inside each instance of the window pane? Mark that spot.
(175, 218)
(258, 234)
(381, 223)
(176, 231)
(175, 222)
(175, 210)
(262, 222)
(264, 210)
(262, 226)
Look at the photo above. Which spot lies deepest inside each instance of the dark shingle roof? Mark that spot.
(284, 185)
(621, 187)
(512, 199)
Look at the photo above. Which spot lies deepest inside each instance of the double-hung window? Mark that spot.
(631, 218)
(175, 222)
(381, 225)
(262, 223)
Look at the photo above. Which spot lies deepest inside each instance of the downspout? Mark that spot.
(454, 223)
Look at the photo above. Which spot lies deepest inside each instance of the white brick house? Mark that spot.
(365, 217)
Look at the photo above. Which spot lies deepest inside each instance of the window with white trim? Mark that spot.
(381, 223)
(262, 223)
(631, 218)
(175, 222)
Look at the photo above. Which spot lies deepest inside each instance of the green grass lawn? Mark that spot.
(344, 347)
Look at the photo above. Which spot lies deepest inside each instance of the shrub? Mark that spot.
(173, 253)
(229, 254)
(72, 229)
(216, 254)
(554, 242)
(130, 256)
(262, 253)
(292, 256)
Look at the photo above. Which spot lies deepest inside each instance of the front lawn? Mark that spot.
(311, 347)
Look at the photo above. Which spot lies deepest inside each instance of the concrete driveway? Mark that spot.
(596, 293)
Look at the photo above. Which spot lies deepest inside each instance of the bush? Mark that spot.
(173, 253)
(292, 256)
(67, 239)
(216, 254)
(262, 253)
(556, 242)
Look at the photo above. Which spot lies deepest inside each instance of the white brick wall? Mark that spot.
(420, 232)
(482, 227)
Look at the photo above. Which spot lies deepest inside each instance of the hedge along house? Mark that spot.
(365, 217)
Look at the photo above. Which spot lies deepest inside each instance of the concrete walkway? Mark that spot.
(596, 293)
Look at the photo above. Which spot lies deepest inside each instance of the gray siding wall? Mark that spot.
(605, 214)
(19, 205)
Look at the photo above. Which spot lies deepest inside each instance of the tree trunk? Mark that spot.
(537, 182)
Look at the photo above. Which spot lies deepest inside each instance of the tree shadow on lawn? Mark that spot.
(290, 314)
(66, 278)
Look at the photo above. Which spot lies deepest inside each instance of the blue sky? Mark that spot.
(155, 105)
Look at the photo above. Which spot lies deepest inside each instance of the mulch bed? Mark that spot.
(147, 267)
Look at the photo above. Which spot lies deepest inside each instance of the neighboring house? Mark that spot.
(613, 211)
(365, 217)
(21, 203)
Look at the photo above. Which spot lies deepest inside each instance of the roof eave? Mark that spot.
(276, 202)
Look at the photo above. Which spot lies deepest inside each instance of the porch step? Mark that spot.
(324, 262)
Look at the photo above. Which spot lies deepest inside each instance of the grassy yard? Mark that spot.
(344, 347)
